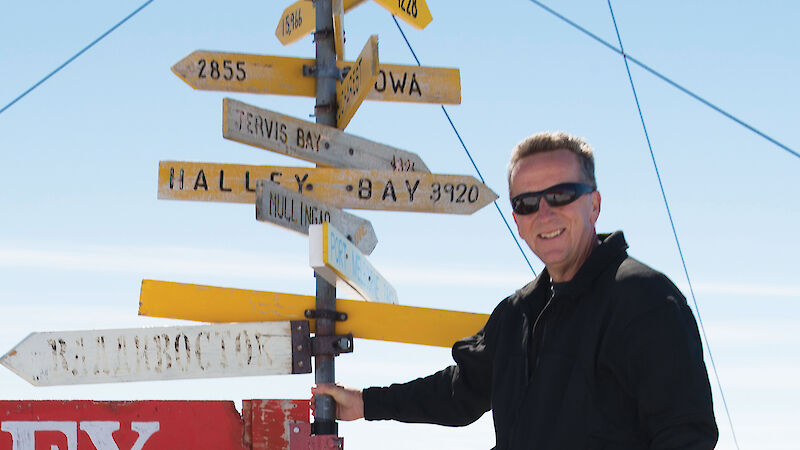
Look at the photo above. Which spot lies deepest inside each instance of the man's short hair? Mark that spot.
(549, 141)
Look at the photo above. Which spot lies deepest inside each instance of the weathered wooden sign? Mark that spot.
(321, 144)
(356, 85)
(342, 188)
(162, 353)
(413, 12)
(296, 22)
(150, 425)
(368, 320)
(280, 206)
(283, 75)
(334, 257)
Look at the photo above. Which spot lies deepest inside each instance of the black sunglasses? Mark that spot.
(558, 195)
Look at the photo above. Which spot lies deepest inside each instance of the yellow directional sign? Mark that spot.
(296, 21)
(369, 320)
(342, 188)
(309, 21)
(239, 72)
(283, 75)
(413, 12)
(324, 145)
(338, 28)
(334, 257)
(355, 86)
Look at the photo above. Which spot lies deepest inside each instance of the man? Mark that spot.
(598, 352)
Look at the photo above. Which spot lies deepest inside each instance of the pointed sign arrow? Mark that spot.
(413, 12)
(299, 20)
(324, 145)
(283, 75)
(280, 206)
(369, 320)
(334, 257)
(296, 22)
(161, 353)
(342, 188)
(356, 85)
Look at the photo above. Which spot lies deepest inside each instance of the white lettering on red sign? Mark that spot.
(23, 433)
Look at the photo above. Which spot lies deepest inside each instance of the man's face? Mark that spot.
(561, 236)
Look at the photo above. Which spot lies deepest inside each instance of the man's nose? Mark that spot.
(545, 210)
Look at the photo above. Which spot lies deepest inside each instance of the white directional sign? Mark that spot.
(165, 353)
(286, 208)
(321, 144)
(334, 257)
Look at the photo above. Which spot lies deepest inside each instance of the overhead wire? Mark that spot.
(75, 56)
(469, 155)
(672, 224)
(667, 79)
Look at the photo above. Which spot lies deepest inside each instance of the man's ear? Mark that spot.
(596, 200)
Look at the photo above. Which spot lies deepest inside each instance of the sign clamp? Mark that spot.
(332, 345)
(310, 70)
(325, 314)
(301, 353)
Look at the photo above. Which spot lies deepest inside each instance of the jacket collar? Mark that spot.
(612, 248)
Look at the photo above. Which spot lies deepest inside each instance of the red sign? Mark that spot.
(140, 425)
(273, 423)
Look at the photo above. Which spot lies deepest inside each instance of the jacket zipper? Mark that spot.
(533, 333)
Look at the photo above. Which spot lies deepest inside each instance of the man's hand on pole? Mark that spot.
(349, 403)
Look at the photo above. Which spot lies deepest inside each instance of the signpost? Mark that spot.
(161, 353)
(91, 425)
(355, 86)
(334, 257)
(368, 320)
(413, 12)
(283, 75)
(280, 206)
(321, 144)
(355, 173)
(342, 188)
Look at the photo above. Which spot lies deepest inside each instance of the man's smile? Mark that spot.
(551, 234)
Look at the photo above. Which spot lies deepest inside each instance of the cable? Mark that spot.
(667, 79)
(464, 146)
(75, 56)
(672, 224)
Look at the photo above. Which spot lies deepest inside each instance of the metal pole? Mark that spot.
(325, 113)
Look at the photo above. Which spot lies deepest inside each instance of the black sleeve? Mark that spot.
(455, 396)
(666, 373)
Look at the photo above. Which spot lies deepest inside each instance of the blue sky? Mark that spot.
(81, 225)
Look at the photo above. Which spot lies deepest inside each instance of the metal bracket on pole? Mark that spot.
(325, 314)
(323, 33)
(332, 345)
(311, 71)
(300, 438)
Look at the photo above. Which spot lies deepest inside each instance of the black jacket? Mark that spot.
(614, 362)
